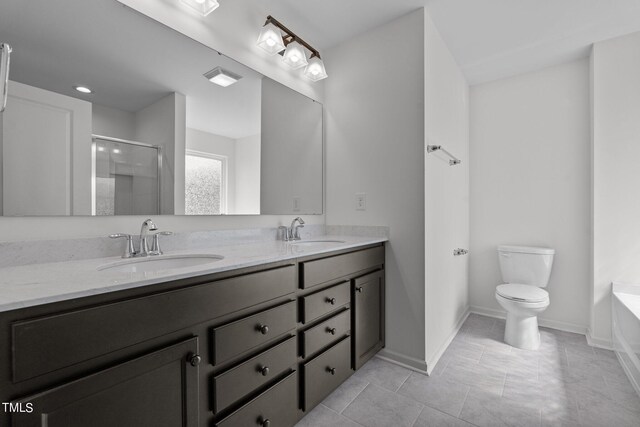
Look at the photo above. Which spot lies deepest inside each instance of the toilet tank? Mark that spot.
(526, 265)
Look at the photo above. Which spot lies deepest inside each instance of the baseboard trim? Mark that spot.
(431, 363)
(547, 323)
(408, 362)
(598, 342)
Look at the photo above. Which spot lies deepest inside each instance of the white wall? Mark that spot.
(616, 174)
(162, 123)
(206, 142)
(248, 175)
(374, 115)
(107, 121)
(530, 171)
(446, 195)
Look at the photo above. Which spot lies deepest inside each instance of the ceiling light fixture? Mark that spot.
(276, 38)
(222, 77)
(83, 89)
(203, 7)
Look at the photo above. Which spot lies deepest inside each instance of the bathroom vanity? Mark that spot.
(259, 345)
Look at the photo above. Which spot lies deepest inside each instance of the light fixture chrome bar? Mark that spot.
(5, 53)
(454, 160)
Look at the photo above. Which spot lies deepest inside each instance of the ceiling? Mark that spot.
(490, 39)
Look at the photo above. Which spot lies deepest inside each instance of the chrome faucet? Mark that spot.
(144, 251)
(147, 226)
(294, 230)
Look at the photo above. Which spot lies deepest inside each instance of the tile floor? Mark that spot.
(483, 382)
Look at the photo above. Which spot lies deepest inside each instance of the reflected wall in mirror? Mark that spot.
(155, 136)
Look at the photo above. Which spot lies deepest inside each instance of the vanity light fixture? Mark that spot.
(270, 39)
(222, 77)
(294, 56)
(276, 38)
(83, 89)
(203, 7)
(315, 70)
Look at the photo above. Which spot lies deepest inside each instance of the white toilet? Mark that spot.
(525, 271)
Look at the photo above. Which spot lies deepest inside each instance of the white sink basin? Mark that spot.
(157, 263)
(316, 242)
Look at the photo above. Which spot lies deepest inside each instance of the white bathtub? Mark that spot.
(626, 329)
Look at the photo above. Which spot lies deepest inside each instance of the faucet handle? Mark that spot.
(129, 250)
(296, 232)
(155, 246)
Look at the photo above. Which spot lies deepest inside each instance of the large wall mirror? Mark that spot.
(162, 131)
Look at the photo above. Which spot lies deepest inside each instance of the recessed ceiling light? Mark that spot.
(83, 89)
(116, 151)
(100, 148)
(222, 77)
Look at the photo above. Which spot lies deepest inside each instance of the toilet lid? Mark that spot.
(525, 293)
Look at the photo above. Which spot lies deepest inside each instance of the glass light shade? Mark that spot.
(294, 56)
(270, 39)
(204, 7)
(315, 70)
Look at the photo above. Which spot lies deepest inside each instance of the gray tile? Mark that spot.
(488, 410)
(468, 372)
(525, 363)
(460, 348)
(477, 321)
(383, 373)
(345, 394)
(440, 394)
(321, 416)
(606, 413)
(560, 415)
(623, 393)
(493, 339)
(379, 407)
(536, 394)
(433, 418)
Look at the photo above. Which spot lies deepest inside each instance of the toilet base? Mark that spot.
(522, 331)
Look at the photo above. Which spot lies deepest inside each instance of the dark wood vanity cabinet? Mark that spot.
(256, 346)
(124, 395)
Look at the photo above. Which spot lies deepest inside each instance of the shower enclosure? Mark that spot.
(126, 177)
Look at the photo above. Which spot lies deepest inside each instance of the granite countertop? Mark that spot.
(36, 284)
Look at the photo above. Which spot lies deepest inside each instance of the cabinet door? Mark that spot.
(368, 317)
(158, 389)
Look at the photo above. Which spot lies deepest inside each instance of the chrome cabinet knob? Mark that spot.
(195, 359)
(332, 331)
(331, 301)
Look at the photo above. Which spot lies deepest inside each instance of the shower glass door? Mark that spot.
(126, 177)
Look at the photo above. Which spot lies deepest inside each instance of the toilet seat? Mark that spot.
(522, 293)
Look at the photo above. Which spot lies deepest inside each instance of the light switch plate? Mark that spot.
(361, 201)
(296, 204)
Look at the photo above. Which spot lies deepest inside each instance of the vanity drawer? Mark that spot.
(325, 301)
(326, 372)
(278, 405)
(232, 385)
(46, 344)
(325, 333)
(332, 268)
(237, 337)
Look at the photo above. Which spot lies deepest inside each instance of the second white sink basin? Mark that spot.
(157, 263)
(316, 242)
